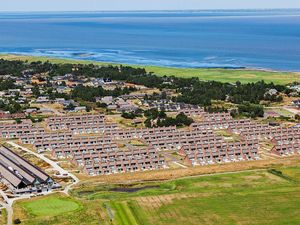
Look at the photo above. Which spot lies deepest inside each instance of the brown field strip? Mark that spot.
(169, 174)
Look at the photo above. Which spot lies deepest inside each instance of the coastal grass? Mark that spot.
(222, 75)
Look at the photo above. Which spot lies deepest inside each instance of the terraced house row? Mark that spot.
(85, 124)
(12, 130)
(193, 112)
(63, 122)
(70, 142)
(287, 143)
(70, 151)
(219, 124)
(285, 140)
(219, 152)
(118, 161)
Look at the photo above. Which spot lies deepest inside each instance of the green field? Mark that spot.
(255, 197)
(223, 75)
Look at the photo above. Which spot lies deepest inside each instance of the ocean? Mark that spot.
(264, 39)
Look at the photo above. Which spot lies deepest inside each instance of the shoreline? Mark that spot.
(226, 75)
(84, 61)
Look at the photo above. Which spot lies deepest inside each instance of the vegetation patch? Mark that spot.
(279, 174)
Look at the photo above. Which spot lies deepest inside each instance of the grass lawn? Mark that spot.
(50, 206)
(223, 75)
(284, 112)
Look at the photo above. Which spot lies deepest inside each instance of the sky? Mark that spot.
(111, 5)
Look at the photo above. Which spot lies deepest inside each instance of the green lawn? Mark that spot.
(223, 75)
(50, 206)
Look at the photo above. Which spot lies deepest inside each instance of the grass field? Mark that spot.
(254, 197)
(223, 75)
(242, 198)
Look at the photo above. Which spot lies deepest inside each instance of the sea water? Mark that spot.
(268, 39)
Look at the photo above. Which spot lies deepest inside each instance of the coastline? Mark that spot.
(223, 74)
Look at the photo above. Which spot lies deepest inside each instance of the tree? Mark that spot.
(70, 107)
(182, 119)
(18, 120)
(36, 91)
(251, 110)
(128, 115)
(148, 123)
(101, 104)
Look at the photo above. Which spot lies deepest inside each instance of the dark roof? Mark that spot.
(17, 170)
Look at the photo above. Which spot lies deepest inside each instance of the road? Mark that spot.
(56, 112)
(174, 160)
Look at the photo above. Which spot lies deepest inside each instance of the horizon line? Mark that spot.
(149, 10)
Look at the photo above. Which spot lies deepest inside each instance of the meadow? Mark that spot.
(269, 196)
(222, 75)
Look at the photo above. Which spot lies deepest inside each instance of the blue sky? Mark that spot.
(99, 5)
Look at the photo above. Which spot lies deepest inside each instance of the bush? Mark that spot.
(17, 221)
(101, 104)
(251, 110)
(128, 115)
(182, 119)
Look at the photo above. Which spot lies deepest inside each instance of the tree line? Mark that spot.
(190, 90)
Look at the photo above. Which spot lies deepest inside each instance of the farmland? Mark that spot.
(223, 75)
(269, 196)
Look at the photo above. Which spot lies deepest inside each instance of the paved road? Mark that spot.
(179, 164)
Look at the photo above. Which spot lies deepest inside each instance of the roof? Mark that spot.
(10, 176)
(22, 164)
